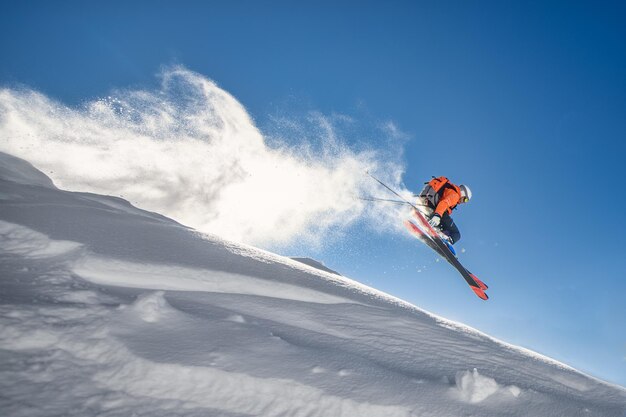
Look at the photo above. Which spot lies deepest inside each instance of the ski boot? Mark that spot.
(447, 240)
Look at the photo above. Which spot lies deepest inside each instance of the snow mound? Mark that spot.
(19, 171)
(315, 264)
(151, 307)
(474, 388)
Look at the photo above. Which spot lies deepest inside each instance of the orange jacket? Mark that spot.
(450, 197)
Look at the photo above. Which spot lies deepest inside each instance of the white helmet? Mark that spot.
(466, 193)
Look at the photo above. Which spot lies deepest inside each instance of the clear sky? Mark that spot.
(524, 101)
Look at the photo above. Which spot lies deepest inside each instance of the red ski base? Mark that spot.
(481, 284)
(479, 292)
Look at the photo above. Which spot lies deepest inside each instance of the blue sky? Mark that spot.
(524, 101)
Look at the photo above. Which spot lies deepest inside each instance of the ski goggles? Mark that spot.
(464, 199)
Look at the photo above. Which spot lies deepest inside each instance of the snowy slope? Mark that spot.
(109, 310)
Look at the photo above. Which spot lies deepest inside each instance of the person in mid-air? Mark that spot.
(437, 200)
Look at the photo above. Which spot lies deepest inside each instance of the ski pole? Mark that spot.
(381, 200)
(376, 199)
(390, 189)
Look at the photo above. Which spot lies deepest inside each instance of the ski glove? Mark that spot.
(434, 220)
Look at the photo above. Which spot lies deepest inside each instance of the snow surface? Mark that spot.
(109, 310)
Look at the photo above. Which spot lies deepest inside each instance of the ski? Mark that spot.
(425, 233)
(475, 284)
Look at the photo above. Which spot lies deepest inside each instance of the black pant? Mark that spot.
(448, 227)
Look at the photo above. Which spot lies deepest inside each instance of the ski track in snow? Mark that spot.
(109, 310)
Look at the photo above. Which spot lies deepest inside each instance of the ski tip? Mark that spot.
(480, 293)
(481, 284)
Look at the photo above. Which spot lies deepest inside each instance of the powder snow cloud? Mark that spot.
(189, 150)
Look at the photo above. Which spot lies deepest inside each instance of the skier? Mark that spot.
(437, 200)
(435, 227)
